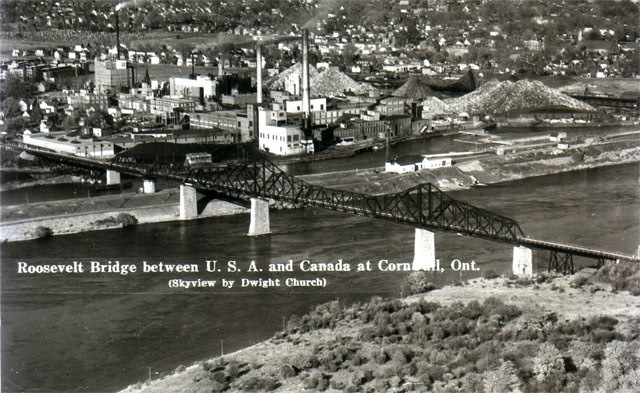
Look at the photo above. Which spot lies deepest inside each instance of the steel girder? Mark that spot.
(561, 262)
(424, 205)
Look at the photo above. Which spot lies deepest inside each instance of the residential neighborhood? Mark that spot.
(368, 80)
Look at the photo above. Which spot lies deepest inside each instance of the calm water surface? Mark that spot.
(101, 332)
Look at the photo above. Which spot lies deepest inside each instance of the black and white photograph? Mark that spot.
(203, 196)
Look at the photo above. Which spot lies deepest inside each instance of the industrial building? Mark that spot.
(111, 74)
(59, 142)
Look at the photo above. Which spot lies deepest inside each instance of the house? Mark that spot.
(44, 127)
(432, 161)
(395, 167)
(429, 161)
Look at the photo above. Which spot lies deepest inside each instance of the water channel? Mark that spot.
(101, 332)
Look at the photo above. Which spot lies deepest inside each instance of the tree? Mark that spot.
(69, 122)
(11, 108)
(15, 87)
(349, 55)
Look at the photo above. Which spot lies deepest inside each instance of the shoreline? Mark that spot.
(102, 214)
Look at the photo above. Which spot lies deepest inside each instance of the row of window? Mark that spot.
(290, 138)
(298, 108)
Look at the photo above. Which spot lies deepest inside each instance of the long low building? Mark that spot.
(60, 142)
(235, 122)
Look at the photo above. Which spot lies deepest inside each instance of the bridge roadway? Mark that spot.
(422, 206)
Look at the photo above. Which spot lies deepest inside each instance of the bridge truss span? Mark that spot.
(423, 205)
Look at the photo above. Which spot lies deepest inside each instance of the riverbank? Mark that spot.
(381, 345)
(488, 168)
(63, 179)
(22, 222)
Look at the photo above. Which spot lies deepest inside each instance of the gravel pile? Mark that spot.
(331, 82)
(414, 87)
(328, 83)
(295, 72)
(522, 96)
(435, 105)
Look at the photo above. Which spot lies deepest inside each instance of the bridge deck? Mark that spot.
(575, 250)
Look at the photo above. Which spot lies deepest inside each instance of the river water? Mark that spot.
(101, 332)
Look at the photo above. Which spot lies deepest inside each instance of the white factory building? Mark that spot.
(59, 142)
(277, 137)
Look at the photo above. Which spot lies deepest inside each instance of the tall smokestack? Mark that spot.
(305, 80)
(220, 66)
(117, 35)
(259, 73)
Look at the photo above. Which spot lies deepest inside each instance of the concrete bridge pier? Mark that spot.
(188, 202)
(259, 218)
(149, 186)
(424, 255)
(522, 261)
(113, 177)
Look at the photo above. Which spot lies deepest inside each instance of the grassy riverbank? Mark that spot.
(570, 334)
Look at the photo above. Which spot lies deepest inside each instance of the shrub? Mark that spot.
(361, 377)
(548, 364)
(622, 276)
(126, 219)
(524, 281)
(619, 362)
(317, 381)
(502, 379)
(288, 371)
(491, 274)
(416, 283)
(43, 232)
(109, 221)
(579, 281)
(257, 383)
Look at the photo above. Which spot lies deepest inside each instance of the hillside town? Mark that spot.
(418, 174)
(91, 84)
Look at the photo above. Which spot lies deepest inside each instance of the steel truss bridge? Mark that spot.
(422, 206)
